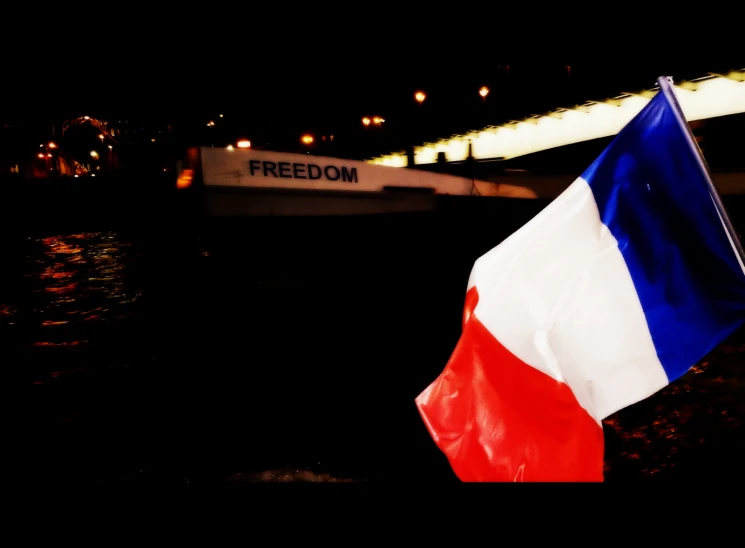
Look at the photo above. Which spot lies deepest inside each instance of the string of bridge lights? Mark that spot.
(367, 121)
(419, 97)
(306, 139)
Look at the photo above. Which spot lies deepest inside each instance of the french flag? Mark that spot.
(617, 288)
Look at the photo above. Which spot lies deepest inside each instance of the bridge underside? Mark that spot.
(712, 96)
(547, 173)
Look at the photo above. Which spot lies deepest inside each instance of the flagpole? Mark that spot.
(666, 87)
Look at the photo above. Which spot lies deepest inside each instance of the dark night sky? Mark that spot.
(325, 69)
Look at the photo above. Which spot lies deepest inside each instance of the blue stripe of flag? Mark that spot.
(653, 196)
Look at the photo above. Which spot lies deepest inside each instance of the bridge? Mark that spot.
(100, 125)
(710, 96)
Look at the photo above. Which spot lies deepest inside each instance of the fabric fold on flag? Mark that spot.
(617, 288)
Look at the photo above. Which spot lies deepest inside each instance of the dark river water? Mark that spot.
(273, 350)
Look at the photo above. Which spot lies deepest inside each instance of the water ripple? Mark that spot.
(70, 292)
(70, 282)
(688, 421)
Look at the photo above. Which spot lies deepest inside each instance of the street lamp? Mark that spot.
(307, 139)
(484, 91)
(420, 97)
(366, 121)
(377, 120)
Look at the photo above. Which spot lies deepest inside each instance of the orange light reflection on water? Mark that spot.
(63, 344)
(76, 280)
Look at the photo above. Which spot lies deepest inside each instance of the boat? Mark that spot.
(235, 182)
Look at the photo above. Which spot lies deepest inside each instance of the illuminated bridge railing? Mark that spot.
(707, 97)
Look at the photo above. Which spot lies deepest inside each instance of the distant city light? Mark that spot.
(110, 147)
(220, 115)
(243, 144)
(230, 147)
(210, 123)
(366, 121)
(377, 120)
(152, 140)
(94, 154)
(86, 117)
(484, 91)
(52, 145)
(41, 155)
(420, 97)
(307, 139)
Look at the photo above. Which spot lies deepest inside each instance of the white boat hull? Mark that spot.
(247, 183)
